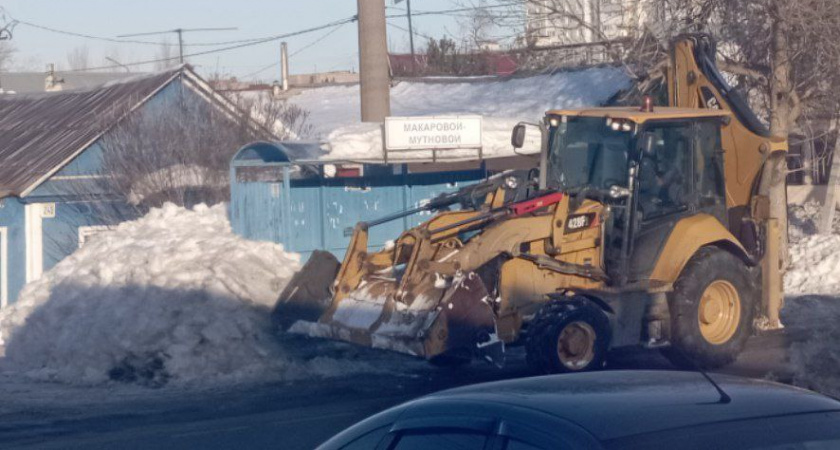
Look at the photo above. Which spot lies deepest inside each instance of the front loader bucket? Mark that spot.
(308, 295)
(433, 320)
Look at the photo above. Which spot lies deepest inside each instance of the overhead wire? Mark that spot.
(236, 44)
(298, 51)
(228, 48)
(144, 42)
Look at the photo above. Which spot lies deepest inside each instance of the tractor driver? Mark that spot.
(661, 177)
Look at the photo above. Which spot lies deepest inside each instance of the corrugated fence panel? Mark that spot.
(306, 220)
(257, 211)
(312, 213)
(344, 206)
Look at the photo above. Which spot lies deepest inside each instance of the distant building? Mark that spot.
(569, 22)
(51, 80)
(303, 80)
(494, 63)
(51, 157)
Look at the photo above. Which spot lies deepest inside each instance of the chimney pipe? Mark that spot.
(52, 82)
(284, 65)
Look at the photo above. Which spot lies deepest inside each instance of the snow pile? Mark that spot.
(174, 296)
(502, 103)
(812, 308)
(814, 258)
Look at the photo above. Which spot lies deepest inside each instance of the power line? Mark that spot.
(426, 36)
(316, 41)
(298, 51)
(232, 47)
(445, 12)
(180, 32)
(89, 36)
(451, 12)
(261, 70)
(119, 40)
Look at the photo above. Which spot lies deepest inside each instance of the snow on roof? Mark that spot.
(26, 82)
(41, 132)
(335, 111)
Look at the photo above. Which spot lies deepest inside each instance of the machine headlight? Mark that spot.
(618, 192)
(511, 182)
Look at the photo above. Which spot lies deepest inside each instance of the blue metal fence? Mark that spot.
(275, 199)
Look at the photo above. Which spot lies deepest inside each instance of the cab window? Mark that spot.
(708, 165)
(665, 170)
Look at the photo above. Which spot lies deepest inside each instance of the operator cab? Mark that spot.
(648, 168)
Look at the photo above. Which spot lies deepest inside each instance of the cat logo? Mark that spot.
(709, 98)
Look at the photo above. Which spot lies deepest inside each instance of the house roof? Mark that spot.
(28, 82)
(41, 133)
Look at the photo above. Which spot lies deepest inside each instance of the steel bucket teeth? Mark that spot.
(454, 320)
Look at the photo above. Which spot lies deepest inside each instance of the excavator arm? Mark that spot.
(757, 209)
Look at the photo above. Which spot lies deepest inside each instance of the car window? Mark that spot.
(368, 440)
(441, 440)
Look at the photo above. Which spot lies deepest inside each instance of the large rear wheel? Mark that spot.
(568, 335)
(712, 309)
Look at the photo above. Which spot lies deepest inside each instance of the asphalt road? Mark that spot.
(297, 415)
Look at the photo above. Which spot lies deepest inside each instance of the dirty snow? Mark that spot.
(174, 297)
(812, 305)
(814, 258)
(336, 112)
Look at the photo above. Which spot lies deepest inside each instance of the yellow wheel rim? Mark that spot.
(576, 345)
(719, 312)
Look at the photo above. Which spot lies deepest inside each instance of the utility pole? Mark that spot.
(284, 65)
(411, 37)
(374, 77)
(180, 32)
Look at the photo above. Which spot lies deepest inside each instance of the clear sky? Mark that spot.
(253, 18)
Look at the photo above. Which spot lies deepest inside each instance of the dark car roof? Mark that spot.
(614, 404)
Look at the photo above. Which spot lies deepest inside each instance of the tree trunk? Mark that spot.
(784, 109)
(827, 217)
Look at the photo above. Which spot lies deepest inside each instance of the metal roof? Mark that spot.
(40, 133)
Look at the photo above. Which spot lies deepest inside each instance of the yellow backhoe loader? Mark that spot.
(643, 226)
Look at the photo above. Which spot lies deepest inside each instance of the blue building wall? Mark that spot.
(80, 200)
(12, 218)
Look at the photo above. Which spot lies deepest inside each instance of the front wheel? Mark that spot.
(712, 309)
(568, 335)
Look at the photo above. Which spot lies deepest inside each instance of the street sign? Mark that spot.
(432, 133)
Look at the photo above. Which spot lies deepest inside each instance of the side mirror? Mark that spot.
(517, 138)
(647, 142)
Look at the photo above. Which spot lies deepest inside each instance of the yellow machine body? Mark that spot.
(469, 281)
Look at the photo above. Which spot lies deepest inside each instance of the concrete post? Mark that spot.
(284, 65)
(373, 61)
